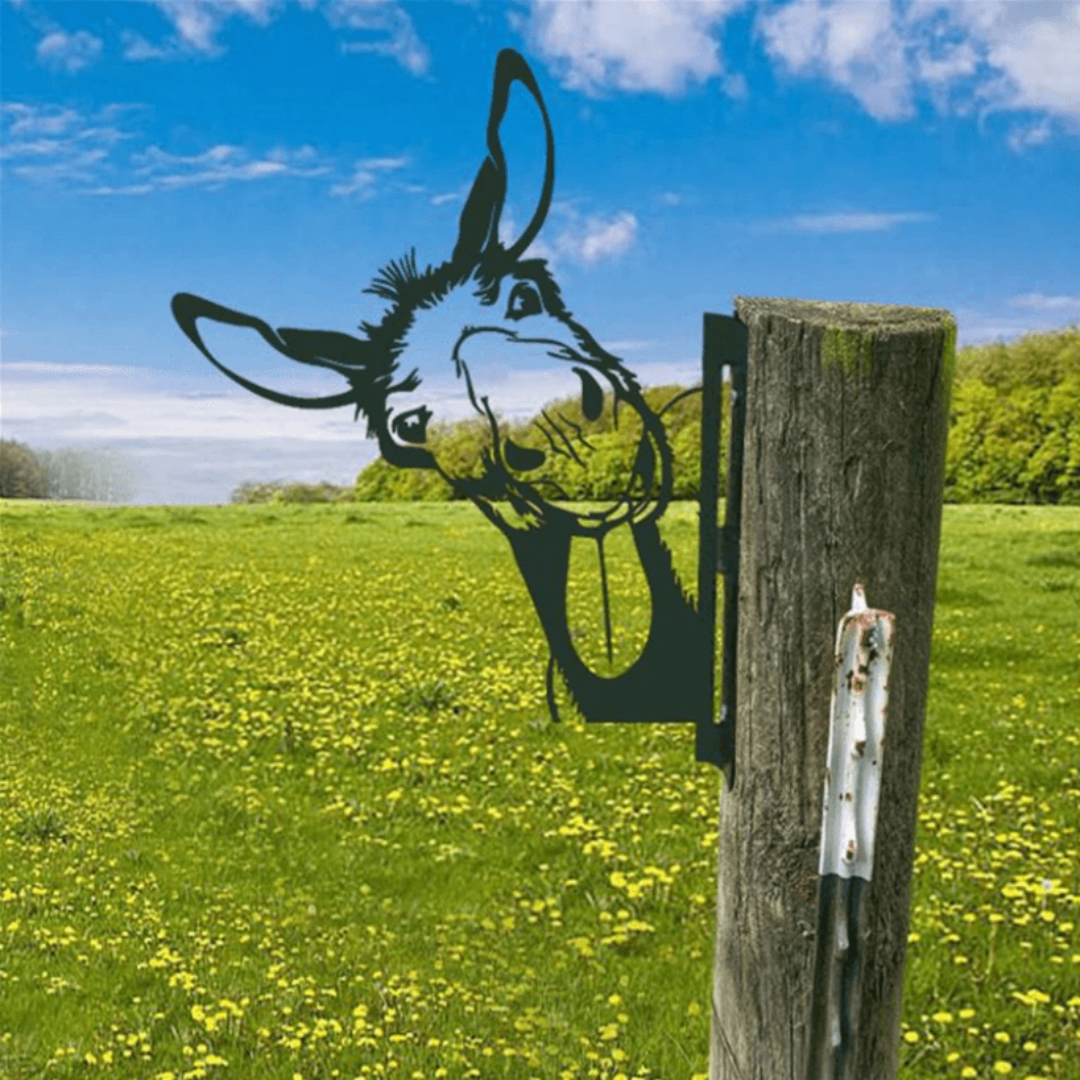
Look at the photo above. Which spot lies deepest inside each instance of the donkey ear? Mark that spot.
(325, 348)
(478, 231)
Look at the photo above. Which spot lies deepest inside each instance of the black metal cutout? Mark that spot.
(672, 676)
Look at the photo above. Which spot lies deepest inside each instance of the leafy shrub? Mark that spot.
(1015, 425)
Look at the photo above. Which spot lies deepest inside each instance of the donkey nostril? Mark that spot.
(411, 426)
(592, 397)
(522, 458)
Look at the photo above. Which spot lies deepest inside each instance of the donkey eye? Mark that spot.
(524, 301)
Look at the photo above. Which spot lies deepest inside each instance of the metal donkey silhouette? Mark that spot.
(517, 309)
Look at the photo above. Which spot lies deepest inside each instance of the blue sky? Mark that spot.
(273, 154)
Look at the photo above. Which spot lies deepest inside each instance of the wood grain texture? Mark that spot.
(847, 419)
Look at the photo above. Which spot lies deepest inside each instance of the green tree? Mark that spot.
(21, 474)
(1015, 434)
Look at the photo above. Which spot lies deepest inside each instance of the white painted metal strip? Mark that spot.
(864, 647)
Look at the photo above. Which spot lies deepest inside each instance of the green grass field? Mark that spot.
(279, 798)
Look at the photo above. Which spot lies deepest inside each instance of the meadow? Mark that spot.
(280, 800)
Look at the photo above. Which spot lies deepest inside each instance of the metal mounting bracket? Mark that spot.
(725, 346)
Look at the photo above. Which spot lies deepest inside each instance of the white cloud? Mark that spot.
(365, 176)
(197, 24)
(652, 45)
(70, 53)
(666, 372)
(385, 26)
(735, 86)
(955, 60)
(853, 221)
(1035, 301)
(222, 164)
(961, 55)
(81, 167)
(991, 55)
(136, 48)
(85, 401)
(856, 46)
(590, 239)
(59, 145)
(192, 436)
(1024, 136)
(50, 143)
(608, 239)
(617, 348)
(53, 144)
(396, 35)
(1035, 313)
(27, 120)
(1031, 47)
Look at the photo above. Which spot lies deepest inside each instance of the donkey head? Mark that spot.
(515, 317)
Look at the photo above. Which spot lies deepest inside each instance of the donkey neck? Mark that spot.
(669, 680)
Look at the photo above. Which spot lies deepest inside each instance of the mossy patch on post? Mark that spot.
(850, 350)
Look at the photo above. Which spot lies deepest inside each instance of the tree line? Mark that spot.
(97, 475)
(1014, 438)
(1015, 423)
(286, 491)
(1014, 434)
(458, 447)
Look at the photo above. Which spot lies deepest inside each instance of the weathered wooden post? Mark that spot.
(846, 423)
